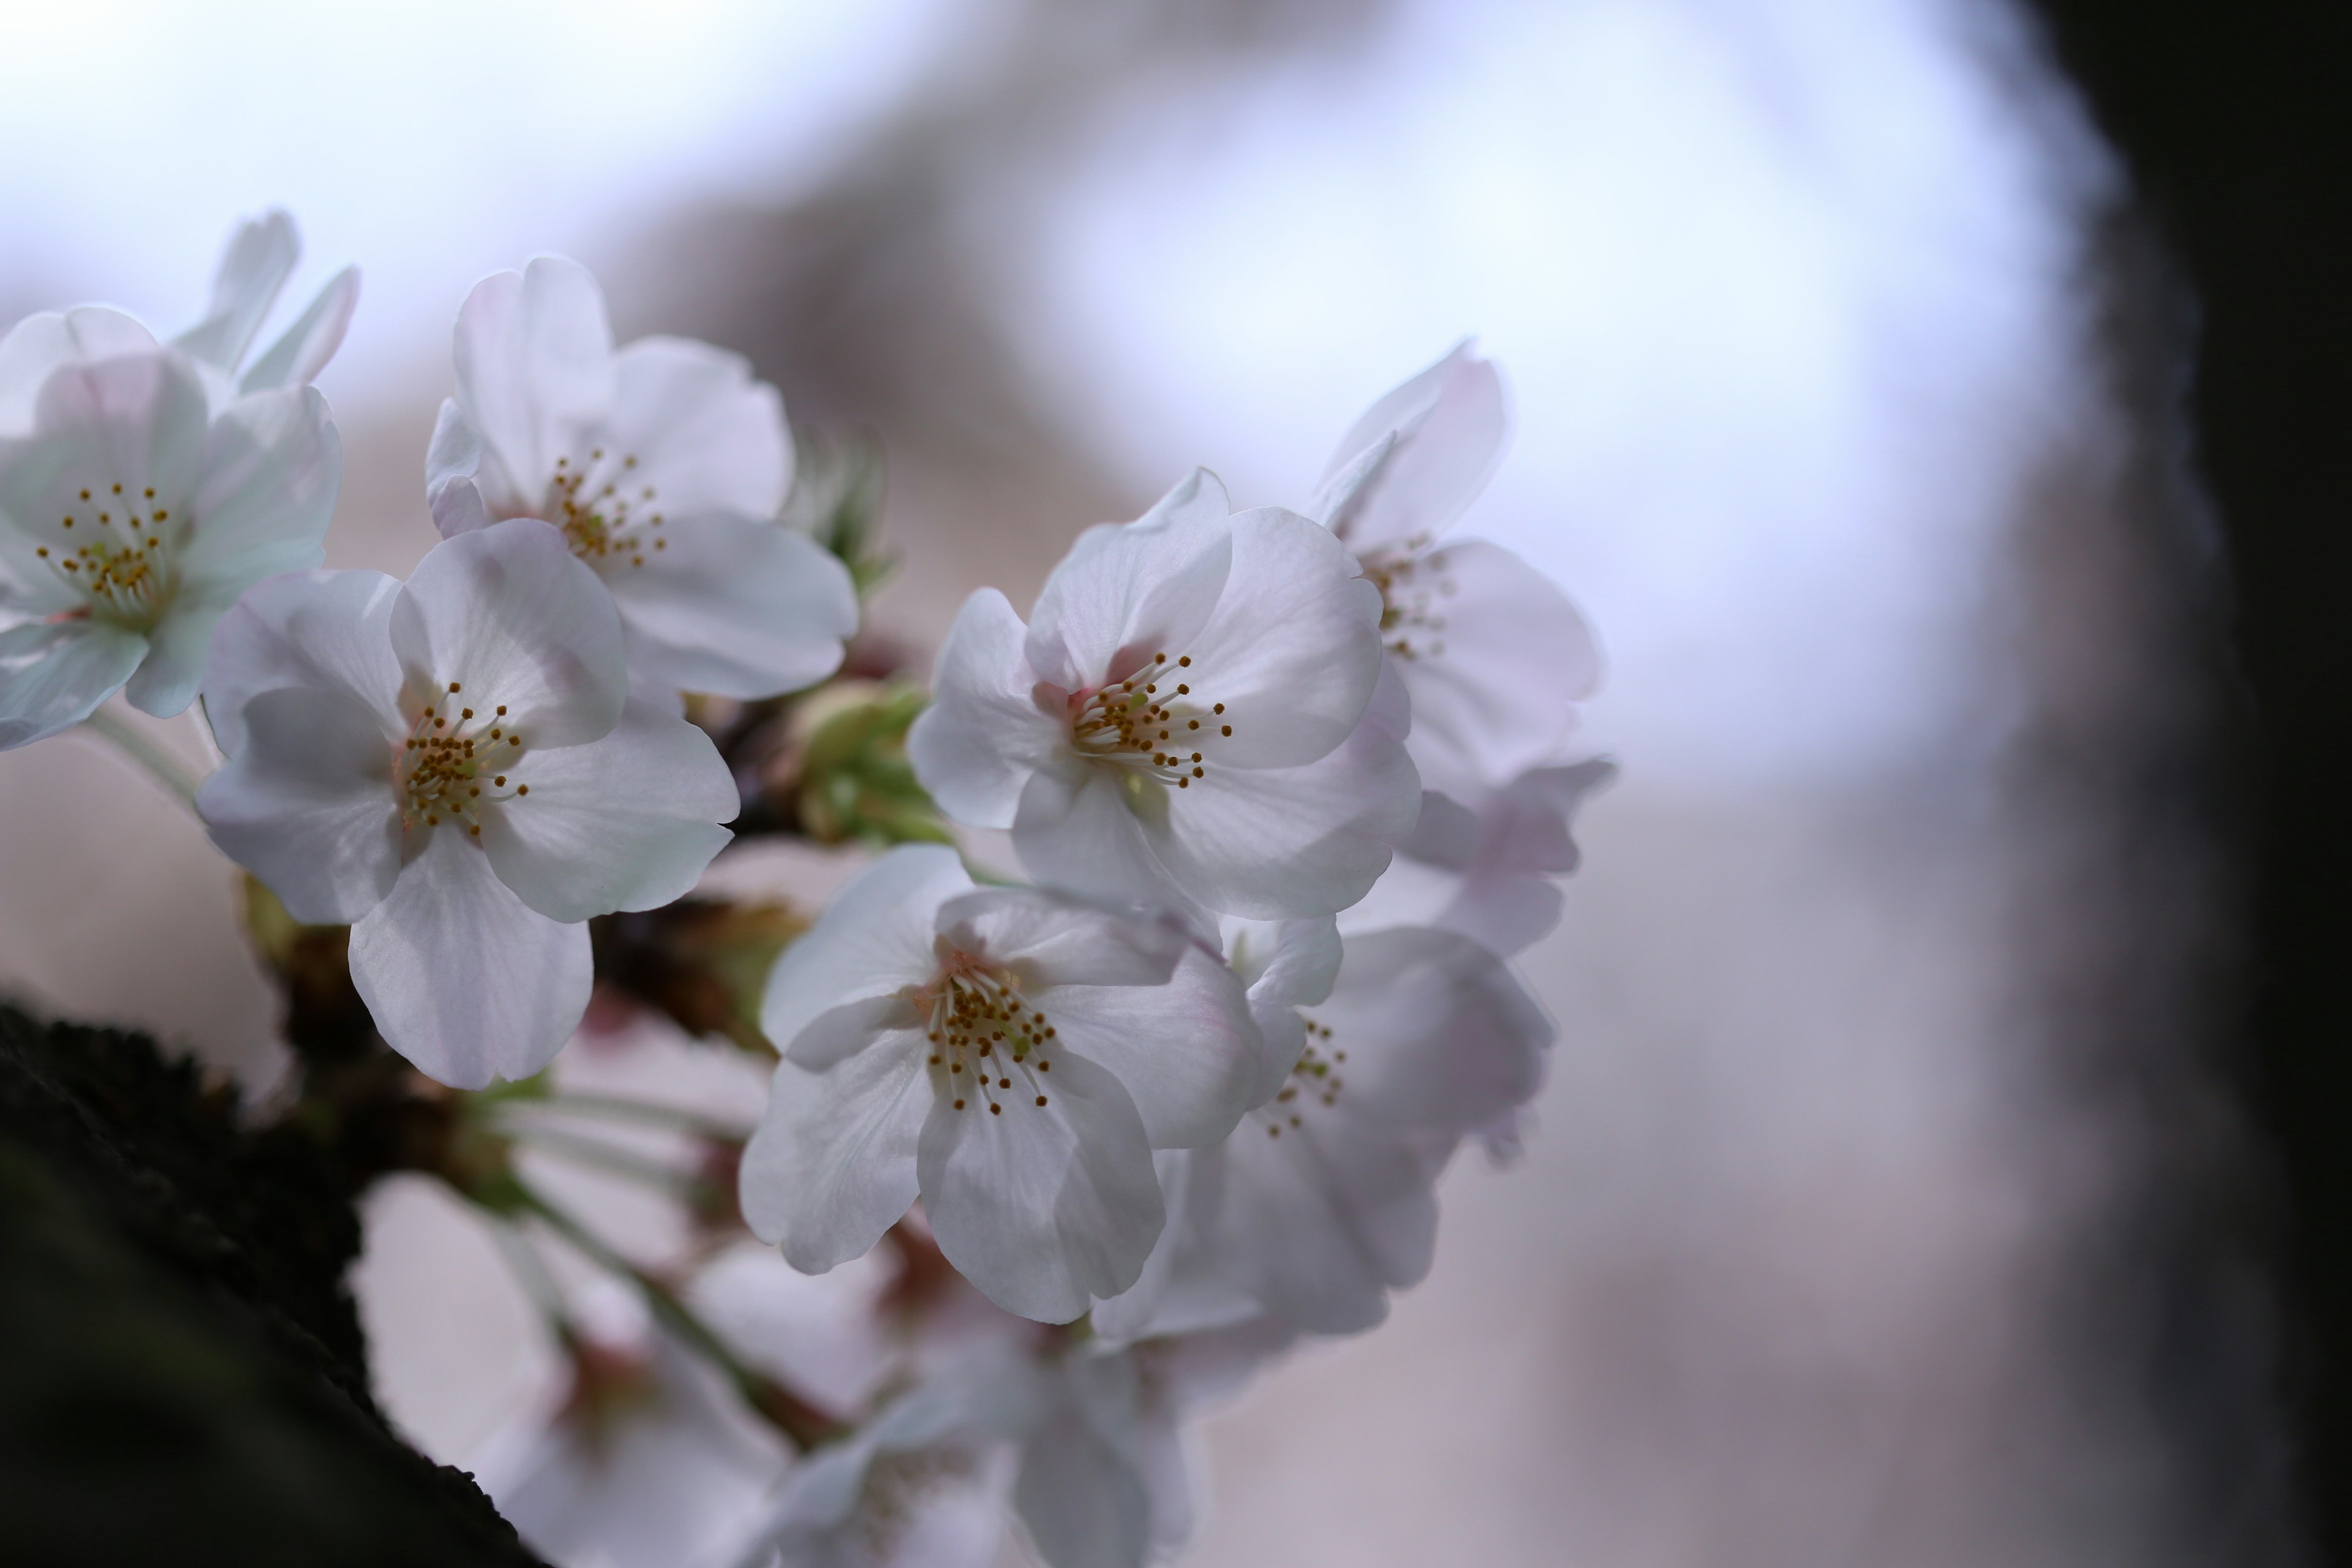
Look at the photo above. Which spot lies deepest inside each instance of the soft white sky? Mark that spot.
(1772, 279)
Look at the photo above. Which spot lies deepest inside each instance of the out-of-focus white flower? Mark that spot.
(923, 1485)
(1493, 655)
(1011, 1054)
(1486, 867)
(664, 464)
(1185, 720)
(260, 257)
(454, 766)
(1323, 1199)
(651, 1460)
(133, 510)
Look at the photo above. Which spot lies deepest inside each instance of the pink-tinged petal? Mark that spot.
(832, 1164)
(534, 361)
(467, 486)
(273, 464)
(733, 607)
(54, 674)
(512, 616)
(1290, 843)
(874, 939)
(1293, 650)
(1126, 590)
(1043, 1207)
(1497, 660)
(49, 339)
(326, 629)
(1081, 1490)
(1049, 940)
(984, 732)
(303, 350)
(137, 422)
(625, 821)
(1287, 966)
(259, 256)
(463, 978)
(705, 435)
(1418, 458)
(306, 803)
(1186, 1051)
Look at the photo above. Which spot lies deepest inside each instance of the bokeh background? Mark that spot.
(1868, 1216)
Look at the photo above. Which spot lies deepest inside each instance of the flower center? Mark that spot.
(1132, 724)
(982, 1032)
(1409, 583)
(1316, 1078)
(605, 514)
(115, 549)
(448, 759)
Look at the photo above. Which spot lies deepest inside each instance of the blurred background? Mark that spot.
(1878, 1210)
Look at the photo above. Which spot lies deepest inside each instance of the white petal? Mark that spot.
(874, 939)
(733, 607)
(1417, 458)
(1300, 961)
(1497, 666)
(463, 978)
(326, 629)
(1181, 1290)
(510, 614)
(984, 733)
(137, 421)
(306, 803)
(1043, 1207)
(466, 485)
(273, 463)
(1051, 940)
(53, 675)
(1126, 590)
(252, 270)
(1292, 651)
(169, 678)
(46, 340)
(1081, 1490)
(1079, 828)
(1319, 1220)
(303, 350)
(1290, 843)
(534, 361)
(833, 1164)
(1439, 1035)
(1187, 1052)
(1488, 875)
(706, 436)
(627, 822)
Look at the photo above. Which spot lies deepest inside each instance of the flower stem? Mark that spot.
(797, 1419)
(164, 767)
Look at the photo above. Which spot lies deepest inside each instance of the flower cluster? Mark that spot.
(1042, 1165)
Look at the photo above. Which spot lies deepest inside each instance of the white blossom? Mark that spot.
(664, 464)
(259, 258)
(133, 510)
(1487, 866)
(454, 766)
(1323, 1201)
(1010, 1055)
(1493, 653)
(1183, 719)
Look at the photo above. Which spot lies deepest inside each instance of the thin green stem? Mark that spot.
(166, 769)
(803, 1423)
(531, 1271)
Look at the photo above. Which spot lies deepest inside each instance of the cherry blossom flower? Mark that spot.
(133, 510)
(1493, 655)
(664, 464)
(259, 258)
(1183, 721)
(1488, 868)
(454, 766)
(1010, 1055)
(1323, 1201)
